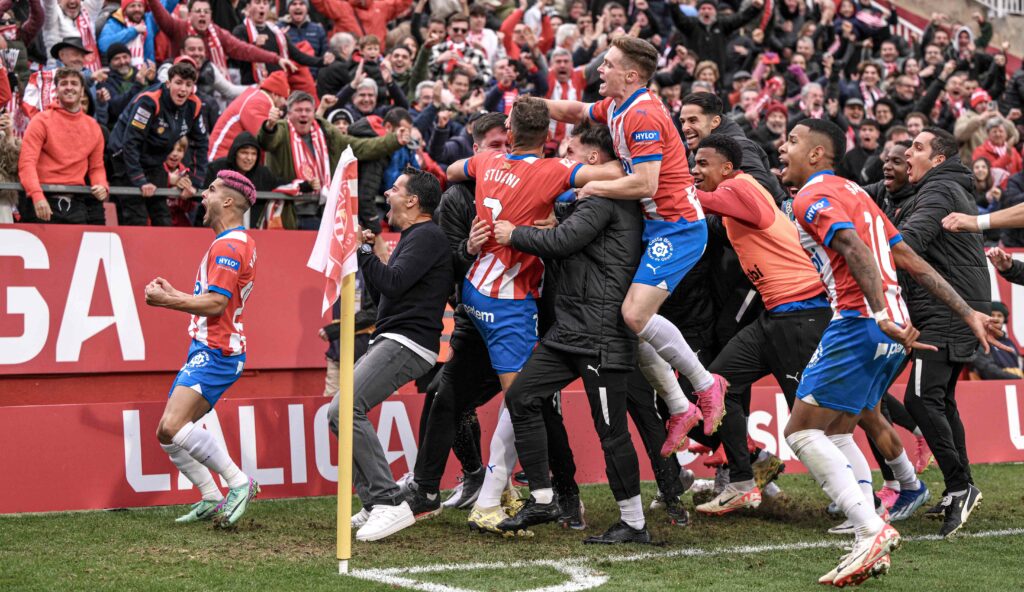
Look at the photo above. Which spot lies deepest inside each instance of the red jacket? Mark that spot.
(370, 18)
(177, 29)
(1009, 161)
(48, 158)
(246, 113)
(544, 43)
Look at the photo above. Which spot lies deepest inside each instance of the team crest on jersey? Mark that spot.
(199, 360)
(812, 212)
(660, 249)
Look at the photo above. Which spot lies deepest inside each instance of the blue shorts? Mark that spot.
(208, 372)
(673, 248)
(509, 327)
(852, 367)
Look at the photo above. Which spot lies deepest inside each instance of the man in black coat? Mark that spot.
(710, 32)
(943, 186)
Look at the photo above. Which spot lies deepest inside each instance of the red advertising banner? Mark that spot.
(72, 299)
(110, 451)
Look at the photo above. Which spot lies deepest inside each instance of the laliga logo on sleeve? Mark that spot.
(660, 249)
(199, 360)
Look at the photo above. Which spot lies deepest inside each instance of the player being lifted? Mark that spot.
(675, 231)
(501, 287)
(865, 343)
(217, 353)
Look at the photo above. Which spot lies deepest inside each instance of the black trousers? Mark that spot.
(779, 344)
(468, 381)
(897, 414)
(135, 210)
(641, 404)
(72, 209)
(549, 370)
(466, 443)
(931, 401)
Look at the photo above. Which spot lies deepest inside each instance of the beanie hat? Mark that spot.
(978, 97)
(238, 182)
(276, 83)
(125, 3)
(776, 106)
(116, 49)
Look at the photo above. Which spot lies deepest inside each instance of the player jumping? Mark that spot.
(217, 353)
(675, 231)
(865, 343)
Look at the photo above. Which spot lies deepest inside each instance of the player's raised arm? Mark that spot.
(643, 183)
(984, 327)
(457, 171)
(567, 111)
(1008, 218)
(587, 173)
(864, 270)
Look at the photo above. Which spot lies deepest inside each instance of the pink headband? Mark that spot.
(239, 183)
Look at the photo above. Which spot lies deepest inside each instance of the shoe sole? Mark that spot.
(427, 515)
(869, 571)
(729, 510)
(408, 521)
(963, 520)
(716, 420)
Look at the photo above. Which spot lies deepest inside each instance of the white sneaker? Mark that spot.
(385, 521)
(360, 519)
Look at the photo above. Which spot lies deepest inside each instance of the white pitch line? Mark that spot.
(581, 577)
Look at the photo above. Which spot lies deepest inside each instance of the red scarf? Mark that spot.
(217, 55)
(308, 166)
(259, 70)
(137, 47)
(448, 67)
(570, 90)
(39, 92)
(85, 31)
(870, 96)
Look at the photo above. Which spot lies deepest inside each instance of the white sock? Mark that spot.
(763, 455)
(543, 496)
(199, 475)
(904, 472)
(632, 512)
(829, 468)
(660, 375)
(502, 460)
(203, 447)
(893, 485)
(859, 464)
(670, 345)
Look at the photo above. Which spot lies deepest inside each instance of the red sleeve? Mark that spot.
(472, 164)
(242, 51)
(255, 113)
(173, 27)
(599, 111)
(28, 160)
(645, 137)
(507, 27)
(224, 266)
(397, 8)
(5, 87)
(821, 219)
(27, 33)
(738, 200)
(97, 172)
(342, 14)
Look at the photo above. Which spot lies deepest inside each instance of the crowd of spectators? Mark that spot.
(158, 94)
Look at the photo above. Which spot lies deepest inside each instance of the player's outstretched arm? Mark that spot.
(457, 171)
(567, 111)
(608, 171)
(864, 270)
(984, 327)
(641, 184)
(1008, 218)
(160, 292)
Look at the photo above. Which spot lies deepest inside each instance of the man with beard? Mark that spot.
(47, 157)
(255, 29)
(771, 132)
(565, 83)
(305, 148)
(72, 18)
(124, 80)
(146, 133)
(135, 28)
(944, 186)
(220, 44)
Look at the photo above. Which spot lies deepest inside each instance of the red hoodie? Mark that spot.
(47, 157)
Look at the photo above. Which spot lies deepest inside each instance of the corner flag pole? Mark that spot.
(346, 364)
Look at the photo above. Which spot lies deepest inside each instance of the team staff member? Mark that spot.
(413, 289)
(146, 133)
(944, 186)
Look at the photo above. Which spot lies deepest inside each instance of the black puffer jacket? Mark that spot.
(890, 203)
(958, 257)
(455, 216)
(755, 160)
(600, 246)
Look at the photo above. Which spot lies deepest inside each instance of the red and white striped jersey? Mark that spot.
(827, 204)
(228, 268)
(570, 90)
(642, 131)
(520, 189)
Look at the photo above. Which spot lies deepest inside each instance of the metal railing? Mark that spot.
(120, 190)
(1003, 8)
